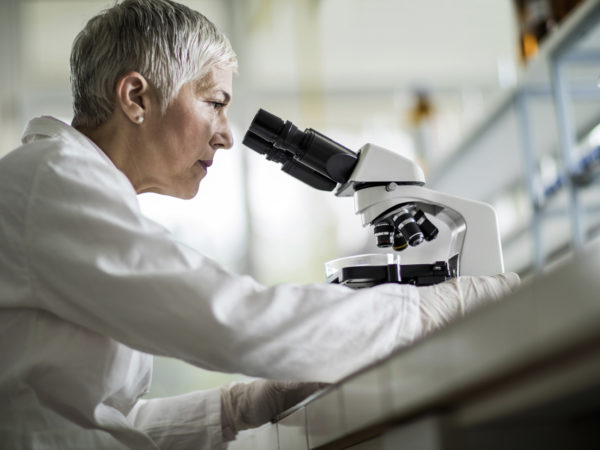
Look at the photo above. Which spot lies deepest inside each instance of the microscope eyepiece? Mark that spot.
(309, 148)
(289, 164)
(257, 143)
(267, 125)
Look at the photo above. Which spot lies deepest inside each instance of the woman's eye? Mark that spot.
(217, 105)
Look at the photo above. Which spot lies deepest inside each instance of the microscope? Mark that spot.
(457, 236)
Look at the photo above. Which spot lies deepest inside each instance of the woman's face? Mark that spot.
(181, 143)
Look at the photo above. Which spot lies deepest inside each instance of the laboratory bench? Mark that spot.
(523, 372)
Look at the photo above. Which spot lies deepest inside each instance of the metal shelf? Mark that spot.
(555, 104)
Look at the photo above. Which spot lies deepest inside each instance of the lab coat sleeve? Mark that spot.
(96, 261)
(185, 421)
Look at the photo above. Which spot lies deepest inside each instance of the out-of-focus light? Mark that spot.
(507, 73)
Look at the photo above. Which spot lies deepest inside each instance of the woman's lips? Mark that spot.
(205, 164)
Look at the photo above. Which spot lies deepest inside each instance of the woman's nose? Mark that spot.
(223, 138)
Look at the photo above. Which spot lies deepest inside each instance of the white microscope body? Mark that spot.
(388, 195)
(474, 234)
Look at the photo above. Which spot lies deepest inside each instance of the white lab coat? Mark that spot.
(90, 288)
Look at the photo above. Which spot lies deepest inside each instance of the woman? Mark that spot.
(91, 288)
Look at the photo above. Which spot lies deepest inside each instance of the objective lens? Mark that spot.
(399, 242)
(383, 234)
(429, 230)
(405, 223)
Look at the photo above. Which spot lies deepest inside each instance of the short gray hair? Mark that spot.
(168, 43)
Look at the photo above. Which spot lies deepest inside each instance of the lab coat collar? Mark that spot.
(50, 127)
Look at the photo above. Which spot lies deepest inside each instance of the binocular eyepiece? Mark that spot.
(322, 163)
(306, 155)
(406, 226)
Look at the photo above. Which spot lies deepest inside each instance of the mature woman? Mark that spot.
(90, 288)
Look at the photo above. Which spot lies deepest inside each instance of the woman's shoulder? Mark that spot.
(55, 152)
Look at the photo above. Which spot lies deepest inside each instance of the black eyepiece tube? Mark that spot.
(327, 156)
(309, 147)
(263, 147)
(308, 176)
(290, 165)
(257, 143)
(266, 125)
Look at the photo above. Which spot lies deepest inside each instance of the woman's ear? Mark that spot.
(133, 96)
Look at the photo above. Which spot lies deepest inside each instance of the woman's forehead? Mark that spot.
(216, 79)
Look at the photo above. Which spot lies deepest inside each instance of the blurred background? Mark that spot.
(497, 100)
